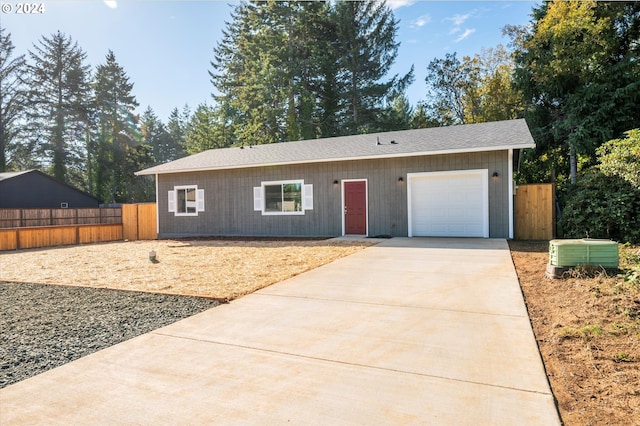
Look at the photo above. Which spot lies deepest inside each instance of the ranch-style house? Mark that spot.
(452, 181)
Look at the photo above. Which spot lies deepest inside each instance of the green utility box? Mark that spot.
(586, 251)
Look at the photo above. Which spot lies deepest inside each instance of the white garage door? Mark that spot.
(449, 204)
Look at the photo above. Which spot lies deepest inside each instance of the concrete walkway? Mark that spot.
(411, 331)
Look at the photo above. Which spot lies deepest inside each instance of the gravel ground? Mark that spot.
(45, 326)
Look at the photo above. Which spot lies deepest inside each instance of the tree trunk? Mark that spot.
(573, 164)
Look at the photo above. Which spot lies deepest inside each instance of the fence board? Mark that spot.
(9, 218)
(130, 222)
(8, 239)
(534, 212)
(36, 217)
(111, 215)
(46, 236)
(34, 237)
(147, 222)
(64, 216)
(99, 233)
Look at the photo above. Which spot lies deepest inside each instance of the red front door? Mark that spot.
(355, 208)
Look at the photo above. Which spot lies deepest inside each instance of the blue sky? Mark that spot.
(166, 46)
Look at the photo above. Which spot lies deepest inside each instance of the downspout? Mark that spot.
(510, 191)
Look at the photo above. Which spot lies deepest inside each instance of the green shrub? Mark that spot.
(600, 206)
(630, 264)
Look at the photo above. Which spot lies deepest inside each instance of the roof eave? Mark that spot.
(151, 171)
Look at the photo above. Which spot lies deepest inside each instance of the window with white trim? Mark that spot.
(186, 200)
(283, 198)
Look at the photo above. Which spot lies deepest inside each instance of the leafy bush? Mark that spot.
(630, 264)
(621, 157)
(600, 206)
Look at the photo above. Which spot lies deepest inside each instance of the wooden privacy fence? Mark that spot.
(139, 222)
(24, 218)
(535, 212)
(135, 222)
(46, 236)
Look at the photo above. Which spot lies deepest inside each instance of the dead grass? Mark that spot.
(220, 269)
(588, 330)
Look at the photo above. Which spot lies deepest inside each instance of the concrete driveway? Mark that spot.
(411, 331)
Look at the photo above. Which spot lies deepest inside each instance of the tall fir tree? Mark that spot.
(206, 130)
(58, 105)
(300, 70)
(397, 115)
(117, 131)
(155, 135)
(366, 48)
(15, 152)
(177, 126)
(266, 71)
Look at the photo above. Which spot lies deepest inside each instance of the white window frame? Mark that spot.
(306, 198)
(199, 202)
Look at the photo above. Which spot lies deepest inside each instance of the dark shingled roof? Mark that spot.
(499, 135)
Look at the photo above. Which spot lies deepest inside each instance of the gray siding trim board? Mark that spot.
(229, 196)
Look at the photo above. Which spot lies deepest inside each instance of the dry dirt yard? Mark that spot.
(588, 331)
(218, 269)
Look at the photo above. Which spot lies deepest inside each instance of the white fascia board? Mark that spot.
(330, 160)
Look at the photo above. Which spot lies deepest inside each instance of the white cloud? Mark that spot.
(397, 4)
(111, 3)
(421, 21)
(458, 20)
(465, 34)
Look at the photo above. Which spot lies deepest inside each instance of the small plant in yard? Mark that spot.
(588, 332)
(622, 357)
(617, 329)
(587, 271)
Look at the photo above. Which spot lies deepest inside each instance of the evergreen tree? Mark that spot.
(266, 71)
(138, 189)
(156, 136)
(396, 116)
(14, 152)
(58, 106)
(300, 70)
(366, 47)
(117, 130)
(206, 130)
(177, 126)
(579, 71)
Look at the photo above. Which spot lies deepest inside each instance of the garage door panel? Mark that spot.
(449, 204)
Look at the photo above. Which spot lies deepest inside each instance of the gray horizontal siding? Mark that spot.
(229, 196)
